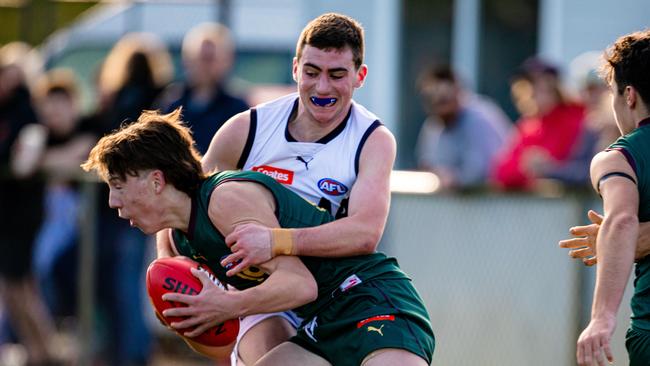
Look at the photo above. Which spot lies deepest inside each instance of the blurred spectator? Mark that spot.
(208, 54)
(547, 132)
(134, 73)
(136, 69)
(594, 94)
(462, 132)
(21, 206)
(68, 143)
(599, 129)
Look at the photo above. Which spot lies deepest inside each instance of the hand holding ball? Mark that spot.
(173, 274)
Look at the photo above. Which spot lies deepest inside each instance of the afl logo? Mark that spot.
(332, 187)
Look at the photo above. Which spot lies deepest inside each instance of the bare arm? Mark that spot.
(616, 244)
(227, 144)
(165, 244)
(358, 233)
(223, 154)
(289, 285)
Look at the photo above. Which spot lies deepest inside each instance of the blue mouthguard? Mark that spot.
(322, 101)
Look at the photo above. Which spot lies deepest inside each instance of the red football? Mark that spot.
(172, 274)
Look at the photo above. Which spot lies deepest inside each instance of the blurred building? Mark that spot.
(493, 300)
(484, 39)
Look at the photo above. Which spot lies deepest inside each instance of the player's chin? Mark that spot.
(146, 229)
(325, 115)
(320, 110)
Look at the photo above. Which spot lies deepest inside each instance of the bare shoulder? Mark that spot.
(233, 201)
(380, 148)
(237, 194)
(228, 143)
(381, 135)
(610, 161)
(237, 125)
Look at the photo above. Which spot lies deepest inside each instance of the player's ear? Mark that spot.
(158, 180)
(362, 72)
(630, 95)
(294, 69)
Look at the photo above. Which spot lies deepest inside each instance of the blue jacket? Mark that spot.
(205, 120)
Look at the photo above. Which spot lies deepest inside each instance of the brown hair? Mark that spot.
(154, 141)
(333, 31)
(626, 62)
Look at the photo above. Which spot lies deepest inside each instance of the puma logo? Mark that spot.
(378, 330)
(305, 161)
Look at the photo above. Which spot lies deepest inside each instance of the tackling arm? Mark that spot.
(289, 285)
(358, 233)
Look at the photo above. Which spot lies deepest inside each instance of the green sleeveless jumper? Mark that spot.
(341, 281)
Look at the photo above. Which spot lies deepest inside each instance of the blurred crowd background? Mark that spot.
(488, 95)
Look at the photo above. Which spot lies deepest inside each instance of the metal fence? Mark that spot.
(499, 289)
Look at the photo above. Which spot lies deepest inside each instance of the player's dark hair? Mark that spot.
(333, 31)
(154, 141)
(626, 62)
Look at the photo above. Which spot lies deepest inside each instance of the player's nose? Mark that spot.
(323, 84)
(114, 201)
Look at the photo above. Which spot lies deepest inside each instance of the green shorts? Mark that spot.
(368, 317)
(637, 343)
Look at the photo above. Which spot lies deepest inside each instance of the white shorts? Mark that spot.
(246, 323)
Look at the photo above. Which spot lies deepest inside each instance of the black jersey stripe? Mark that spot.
(323, 140)
(337, 131)
(365, 136)
(294, 111)
(614, 174)
(249, 140)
